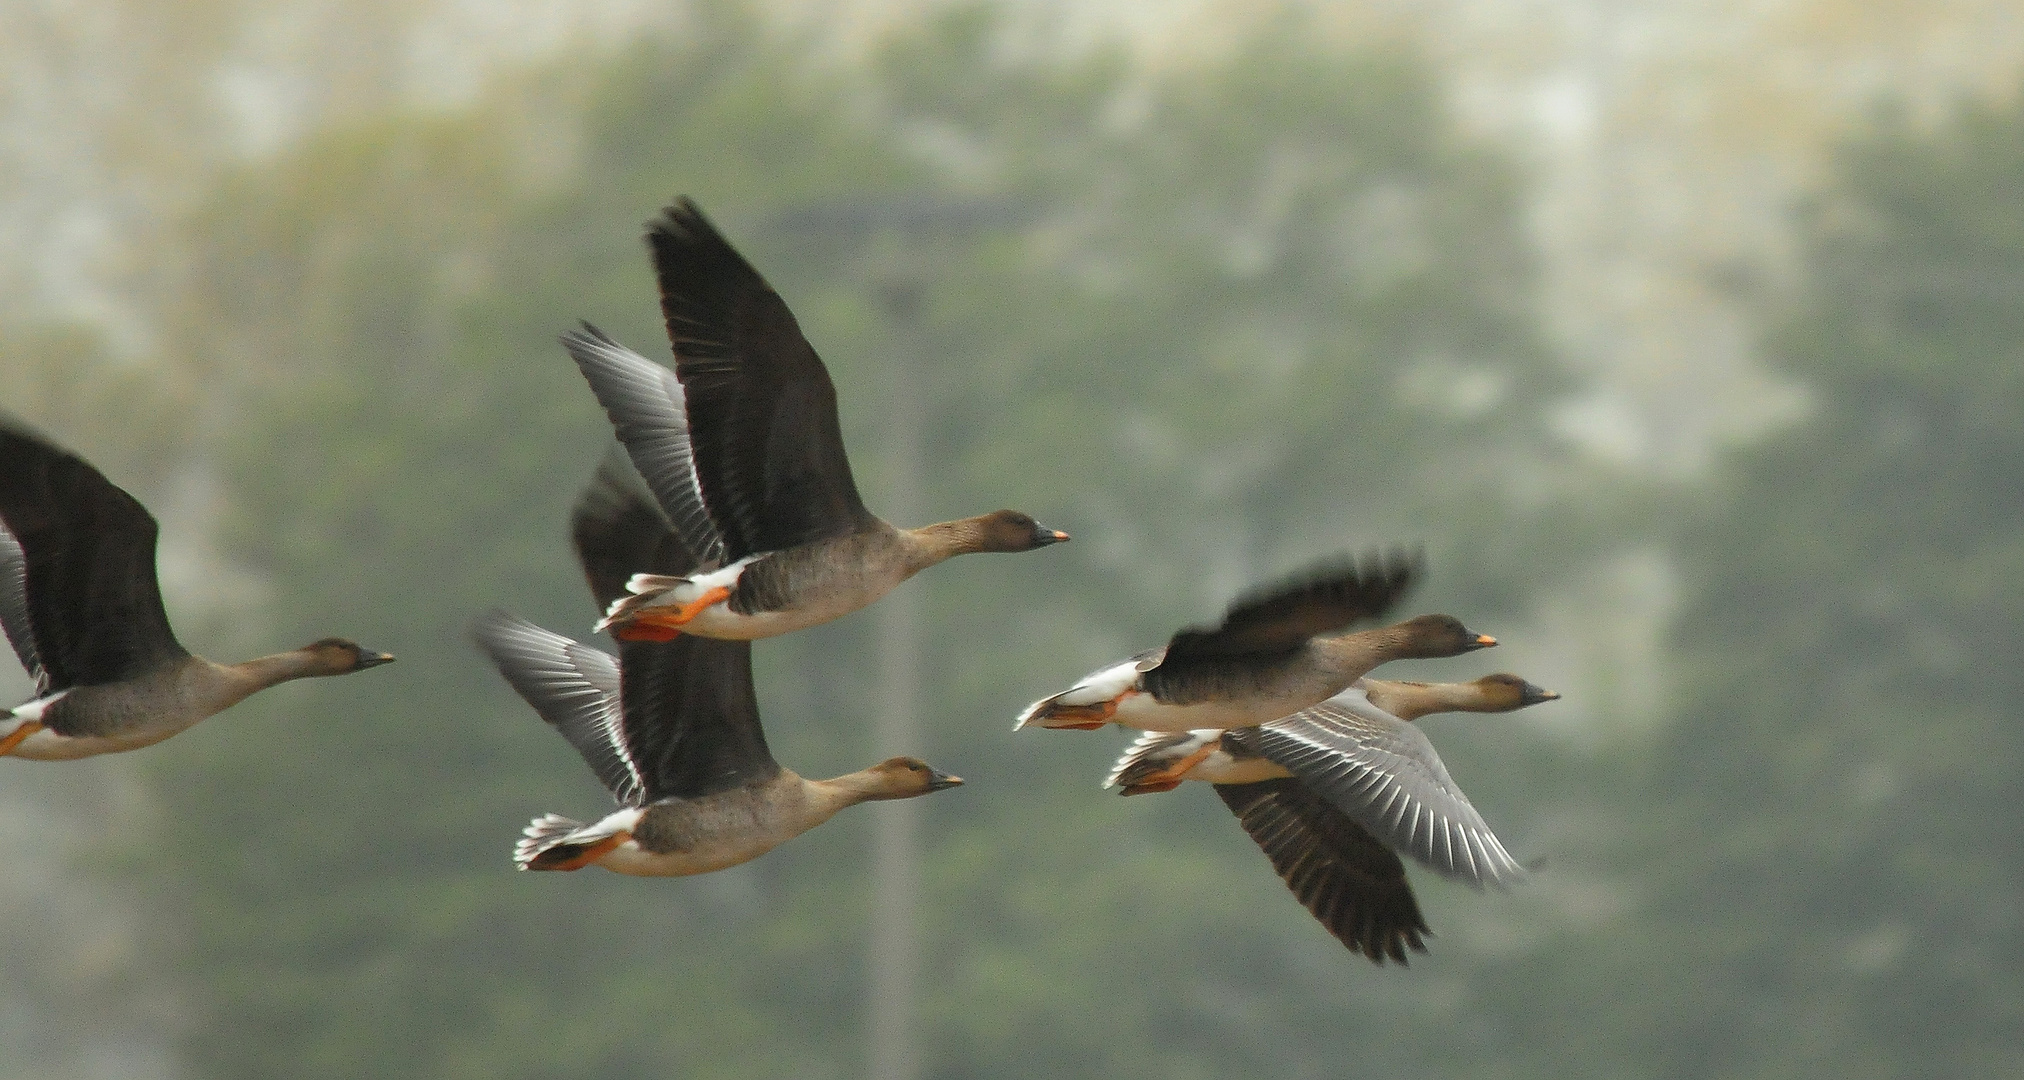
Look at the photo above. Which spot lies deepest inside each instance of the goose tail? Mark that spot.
(552, 842)
(644, 590)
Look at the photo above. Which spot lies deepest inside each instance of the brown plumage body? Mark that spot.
(145, 709)
(677, 837)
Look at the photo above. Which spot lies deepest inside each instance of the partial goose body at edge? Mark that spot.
(81, 606)
(108, 718)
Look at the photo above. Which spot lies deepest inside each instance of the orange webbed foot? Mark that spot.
(17, 736)
(590, 854)
(663, 623)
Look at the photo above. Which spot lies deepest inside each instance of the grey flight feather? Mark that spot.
(574, 687)
(1385, 774)
(649, 413)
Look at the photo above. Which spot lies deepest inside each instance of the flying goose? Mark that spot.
(80, 604)
(742, 448)
(670, 728)
(1333, 795)
(1266, 659)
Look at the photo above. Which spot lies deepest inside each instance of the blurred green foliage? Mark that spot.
(1216, 320)
(1842, 790)
(1208, 323)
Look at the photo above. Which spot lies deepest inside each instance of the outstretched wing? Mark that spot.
(574, 687)
(762, 411)
(1341, 874)
(619, 532)
(691, 719)
(14, 609)
(650, 417)
(94, 608)
(1383, 773)
(1281, 617)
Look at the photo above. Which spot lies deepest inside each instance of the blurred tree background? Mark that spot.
(1217, 316)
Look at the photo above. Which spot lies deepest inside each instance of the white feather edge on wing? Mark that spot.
(1385, 774)
(31, 711)
(551, 830)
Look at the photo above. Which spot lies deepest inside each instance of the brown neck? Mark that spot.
(826, 797)
(931, 544)
(1364, 649)
(247, 677)
(1412, 700)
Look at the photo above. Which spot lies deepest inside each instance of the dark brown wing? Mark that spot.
(619, 531)
(762, 411)
(93, 604)
(691, 719)
(14, 609)
(690, 724)
(1354, 885)
(1276, 620)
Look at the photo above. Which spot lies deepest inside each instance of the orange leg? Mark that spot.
(1083, 717)
(662, 624)
(1169, 778)
(15, 737)
(588, 855)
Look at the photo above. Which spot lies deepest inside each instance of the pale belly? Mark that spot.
(719, 621)
(47, 745)
(1220, 768)
(631, 858)
(1141, 710)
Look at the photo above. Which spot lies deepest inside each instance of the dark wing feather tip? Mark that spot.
(93, 605)
(1322, 599)
(762, 411)
(1352, 884)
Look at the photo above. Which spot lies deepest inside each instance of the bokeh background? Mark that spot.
(1686, 336)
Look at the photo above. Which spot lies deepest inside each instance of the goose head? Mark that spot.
(339, 656)
(905, 778)
(1429, 637)
(1010, 530)
(1505, 692)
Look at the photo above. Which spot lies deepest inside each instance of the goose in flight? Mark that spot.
(741, 446)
